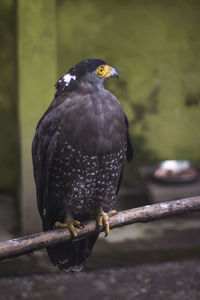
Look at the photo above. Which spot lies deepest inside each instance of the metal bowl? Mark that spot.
(175, 171)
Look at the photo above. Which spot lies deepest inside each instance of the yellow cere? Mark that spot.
(103, 71)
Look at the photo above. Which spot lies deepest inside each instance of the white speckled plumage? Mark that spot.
(86, 182)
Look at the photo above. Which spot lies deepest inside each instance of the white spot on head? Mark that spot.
(67, 78)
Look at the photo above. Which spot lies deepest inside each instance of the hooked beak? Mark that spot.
(114, 73)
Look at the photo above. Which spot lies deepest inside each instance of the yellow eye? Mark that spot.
(104, 71)
(100, 71)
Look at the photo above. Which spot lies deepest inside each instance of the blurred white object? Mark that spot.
(175, 171)
(175, 165)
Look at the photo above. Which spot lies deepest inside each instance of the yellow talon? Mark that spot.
(58, 224)
(102, 219)
(112, 213)
(72, 230)
(70, 224)
(77, 223)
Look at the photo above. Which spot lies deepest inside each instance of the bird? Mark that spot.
(79, 151)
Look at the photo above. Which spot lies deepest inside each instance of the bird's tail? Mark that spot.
(71, 255)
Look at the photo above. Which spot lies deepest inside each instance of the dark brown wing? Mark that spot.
(129, 153)
(67, 255)
(43, 147)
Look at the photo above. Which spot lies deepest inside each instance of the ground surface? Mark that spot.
(170, 281)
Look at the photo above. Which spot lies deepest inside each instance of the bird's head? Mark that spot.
(94, 71)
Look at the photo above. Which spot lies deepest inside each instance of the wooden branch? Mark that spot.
(28, 244)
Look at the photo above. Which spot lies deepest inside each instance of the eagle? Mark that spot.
(79, 151)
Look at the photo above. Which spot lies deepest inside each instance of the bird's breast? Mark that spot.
(94, 122)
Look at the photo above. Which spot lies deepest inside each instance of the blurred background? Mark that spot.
(155, 46)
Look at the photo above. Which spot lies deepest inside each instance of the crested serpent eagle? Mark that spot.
(79, 151)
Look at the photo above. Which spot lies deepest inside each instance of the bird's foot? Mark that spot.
(70, 225)
(102, 219)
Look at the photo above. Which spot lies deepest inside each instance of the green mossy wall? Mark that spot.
(36, 48)
(9, 138)
(156, 47)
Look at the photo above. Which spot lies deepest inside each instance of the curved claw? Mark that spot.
(78, 224)
(70, 225)
(102, 219)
